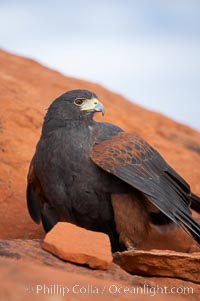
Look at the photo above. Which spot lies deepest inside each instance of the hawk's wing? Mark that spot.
(33, 195)
(38, 208)
(134, 161)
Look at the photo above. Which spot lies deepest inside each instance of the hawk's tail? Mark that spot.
(195, 202)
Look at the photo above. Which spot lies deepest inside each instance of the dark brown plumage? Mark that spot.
(101, 178)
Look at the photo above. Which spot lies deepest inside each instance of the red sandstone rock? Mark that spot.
(160, 263)
(27, 89)
(79, 245)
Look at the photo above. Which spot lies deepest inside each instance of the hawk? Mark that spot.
(95, 175)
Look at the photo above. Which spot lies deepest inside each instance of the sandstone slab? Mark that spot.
(161, 263)
(34, 274)
(76, 244)
(22, 281)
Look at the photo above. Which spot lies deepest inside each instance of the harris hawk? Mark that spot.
(95, 175)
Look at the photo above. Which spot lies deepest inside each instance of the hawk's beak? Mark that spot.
(94, 105)
(99, 108)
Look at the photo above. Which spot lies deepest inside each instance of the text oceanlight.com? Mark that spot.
(112, 289)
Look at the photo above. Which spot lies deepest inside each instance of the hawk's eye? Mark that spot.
(79, 101)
